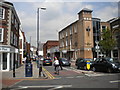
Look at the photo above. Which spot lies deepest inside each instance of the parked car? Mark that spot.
(81, 63)
(47, 62)
(106, 64)
(65, 62)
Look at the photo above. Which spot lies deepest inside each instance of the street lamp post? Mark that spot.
(38, 21)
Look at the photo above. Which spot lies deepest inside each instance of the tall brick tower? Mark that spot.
(85, 36)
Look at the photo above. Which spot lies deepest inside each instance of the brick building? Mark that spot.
(49, 44)
(76, 40)
(80, 38)
(115, 28)
(9, 36)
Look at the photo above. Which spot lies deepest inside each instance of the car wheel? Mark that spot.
(94, 69)
(109, 70)
(78, 67)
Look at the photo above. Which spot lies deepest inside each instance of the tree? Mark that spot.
(108, 42)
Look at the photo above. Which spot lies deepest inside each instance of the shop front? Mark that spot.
(8, 55)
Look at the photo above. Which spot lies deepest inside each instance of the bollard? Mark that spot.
(13, 72)
(40, 70)
(14, 68)
(88, 65)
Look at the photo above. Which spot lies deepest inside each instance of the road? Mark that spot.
(70, 78)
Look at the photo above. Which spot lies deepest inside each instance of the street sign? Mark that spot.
(88, 65)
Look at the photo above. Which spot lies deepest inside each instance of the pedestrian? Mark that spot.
(60, 64)
(56, 64)
(24, 60)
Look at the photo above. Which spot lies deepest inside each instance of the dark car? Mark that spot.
(106, 64)
(81, 63)
(65, 62)
(33, 59)
(47, 62)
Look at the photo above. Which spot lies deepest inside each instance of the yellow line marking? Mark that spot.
(48, 73)
(50, 76)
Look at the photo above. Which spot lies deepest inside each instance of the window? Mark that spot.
(1, 34)
(84, 18)
(2, 13)
(62, 35)
(11, 39)
(15, 24)
(90, 19)
(14, 39)
(75, 28)
(66, 33)
(66, 42)
(70, 41)
(70, 30)
(62, 44)
(13, 18)
(103, 27)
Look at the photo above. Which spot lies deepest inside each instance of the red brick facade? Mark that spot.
(48, 45)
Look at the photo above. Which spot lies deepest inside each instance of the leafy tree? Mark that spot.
(108, 42)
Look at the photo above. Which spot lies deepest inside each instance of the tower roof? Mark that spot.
(85, 10)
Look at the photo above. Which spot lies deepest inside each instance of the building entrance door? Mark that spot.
(3, 61)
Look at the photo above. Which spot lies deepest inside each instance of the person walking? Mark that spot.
(56, 65)
(60, 64)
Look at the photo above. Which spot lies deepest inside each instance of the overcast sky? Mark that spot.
(57, 15)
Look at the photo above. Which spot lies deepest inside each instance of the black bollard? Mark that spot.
(40, 70)
(14, 68)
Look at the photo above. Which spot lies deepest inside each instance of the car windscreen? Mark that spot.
(91, 60)
(47, 59)
(64, 59)
(112, 60)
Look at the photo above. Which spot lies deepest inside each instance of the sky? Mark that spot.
(58, 15)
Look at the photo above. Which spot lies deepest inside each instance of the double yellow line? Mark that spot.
(48, 74)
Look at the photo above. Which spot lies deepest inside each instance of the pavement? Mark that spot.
(73, 63)
(8, 80)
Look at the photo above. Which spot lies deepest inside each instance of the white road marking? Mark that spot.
(116, 81)
(69, 77)
(98, 74)
(46, 86)
(56, 88)
(58, 77)
(75, 70)
(79, 76)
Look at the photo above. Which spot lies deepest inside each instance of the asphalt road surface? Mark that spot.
(71, 78)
